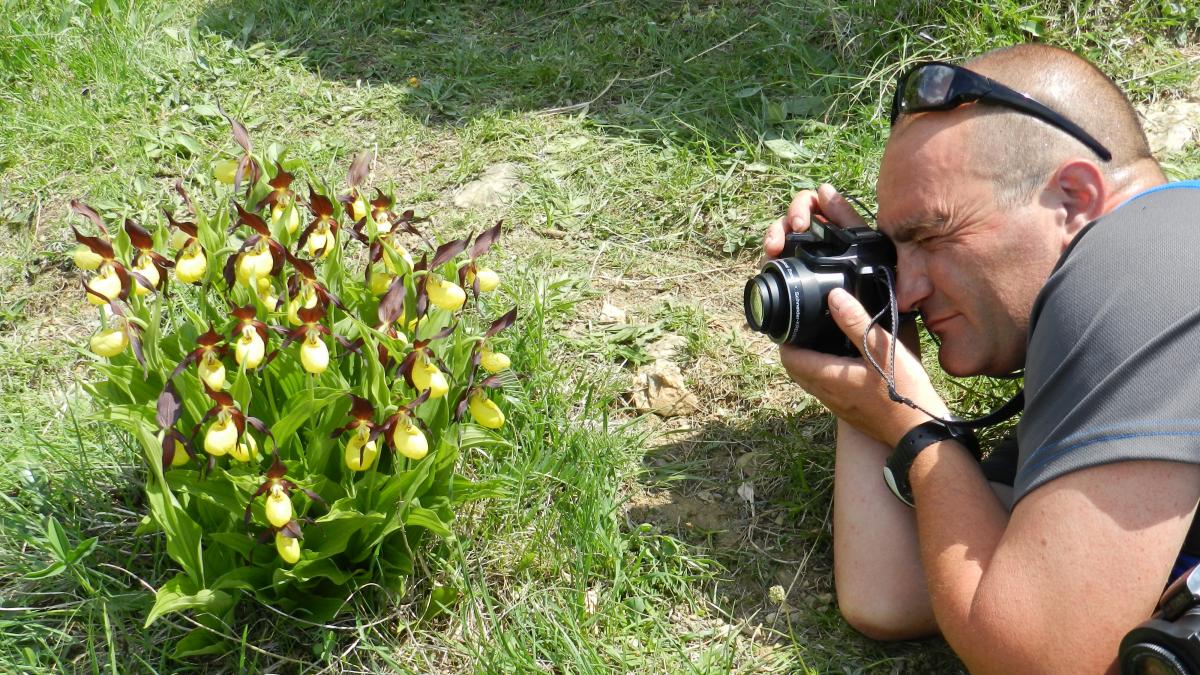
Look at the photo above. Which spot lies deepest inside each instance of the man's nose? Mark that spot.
(912, 284)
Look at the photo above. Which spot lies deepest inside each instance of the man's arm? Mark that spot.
(877, 567)
(1054, 587)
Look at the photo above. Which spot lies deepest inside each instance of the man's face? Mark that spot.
(971, 268)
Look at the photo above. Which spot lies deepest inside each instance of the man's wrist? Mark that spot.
(897, 469)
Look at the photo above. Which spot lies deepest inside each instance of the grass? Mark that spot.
(654, 139)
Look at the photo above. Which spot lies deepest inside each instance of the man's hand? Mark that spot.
(825, 201)
(852, 389)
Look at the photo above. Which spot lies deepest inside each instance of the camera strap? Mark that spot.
(1004, 412)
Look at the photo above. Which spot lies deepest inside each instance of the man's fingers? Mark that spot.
(837, 208)
(853, 319)
(799, 213)
(773, 240)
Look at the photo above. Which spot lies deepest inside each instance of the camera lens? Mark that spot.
(1151, 659)
(787, 302)
(757, 297)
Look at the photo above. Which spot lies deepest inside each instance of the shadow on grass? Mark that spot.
(755, 495)
(727, 72)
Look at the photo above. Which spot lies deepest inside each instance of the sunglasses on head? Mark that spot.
(942, 86)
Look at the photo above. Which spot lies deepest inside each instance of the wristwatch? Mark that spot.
(895, 471)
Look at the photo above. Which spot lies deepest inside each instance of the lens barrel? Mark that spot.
(786, 301)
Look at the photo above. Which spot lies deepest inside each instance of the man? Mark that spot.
(990, 202)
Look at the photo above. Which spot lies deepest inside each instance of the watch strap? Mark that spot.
(899, 463)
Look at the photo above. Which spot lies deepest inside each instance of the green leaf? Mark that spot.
(784, 149)
(300, 408)
(334, 529)
(199, 642)
(54, 569)
(241, 390)
(56, 538)
(243, 578)
(83, 550)
(422, 517)
(180, 593)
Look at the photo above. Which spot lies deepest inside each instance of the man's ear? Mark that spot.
(1080, 193)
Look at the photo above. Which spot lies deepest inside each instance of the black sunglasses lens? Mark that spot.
(928, 88)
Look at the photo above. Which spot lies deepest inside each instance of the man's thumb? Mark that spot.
(849, 314)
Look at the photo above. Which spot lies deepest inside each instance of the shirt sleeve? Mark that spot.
(1113, 363)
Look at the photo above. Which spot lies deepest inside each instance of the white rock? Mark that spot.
(489, 190)
(659, 388)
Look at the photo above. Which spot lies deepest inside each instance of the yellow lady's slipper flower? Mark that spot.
(306, 299)
(380, 283)
(106, 283)
(249, 350)
(409, 440)
(404, 255)
(86, 259)
(485, 411)
(246, 450)
(225, 171)
(109, 342)
(212, 371)
(181, 456)
(278, 507)
(314, 355)
(266, 294)
(445, 294)
(359, 208)
(288, 547)
(361, 451)
(427, 376)
(320, 241)
(280, 211)
(493, 362)
(488, 279)
(192, 265)
(145, 267)
(179, 238)
(255, 263)
(221, 437)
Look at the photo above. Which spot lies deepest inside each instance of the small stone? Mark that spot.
(611, 314)
(746, 492)
(667, 348)
(489, 190)
(1172, 125)
(659, 388)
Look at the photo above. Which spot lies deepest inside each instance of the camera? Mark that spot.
(787, 299)
(1169, 642)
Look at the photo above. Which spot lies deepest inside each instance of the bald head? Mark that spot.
(1018, 153)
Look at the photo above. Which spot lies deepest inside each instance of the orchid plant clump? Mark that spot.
(301, 369)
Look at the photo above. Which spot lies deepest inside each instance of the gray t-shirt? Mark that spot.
(1112, 371)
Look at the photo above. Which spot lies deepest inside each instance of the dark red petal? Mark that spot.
(319, 204)
(239, 131)
(359, 168)
(446, 252)
(391, 307)
(97, 245)
(87, 212)
(503, 322)
(169, 406)
(485, 240)
(138, 236)
(251, 220)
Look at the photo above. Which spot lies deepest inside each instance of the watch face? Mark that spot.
(891, 483)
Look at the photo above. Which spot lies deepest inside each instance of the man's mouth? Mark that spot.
(938, 324)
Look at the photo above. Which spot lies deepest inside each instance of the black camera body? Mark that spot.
(787, 299)
(1169, 642)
